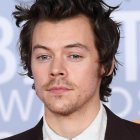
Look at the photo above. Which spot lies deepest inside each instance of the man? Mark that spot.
(68, 48)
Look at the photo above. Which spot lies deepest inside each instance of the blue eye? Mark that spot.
(44, 57)
(75, 56)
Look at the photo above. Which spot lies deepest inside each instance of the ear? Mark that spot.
(111, 69)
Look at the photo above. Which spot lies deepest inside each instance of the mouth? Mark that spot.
(59, 90)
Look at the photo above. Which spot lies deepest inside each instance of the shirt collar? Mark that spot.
(96, 129)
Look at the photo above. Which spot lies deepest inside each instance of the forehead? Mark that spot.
(64, 32)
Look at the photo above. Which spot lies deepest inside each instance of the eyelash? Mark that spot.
(77, 56)
(73, 57)
(44, 57)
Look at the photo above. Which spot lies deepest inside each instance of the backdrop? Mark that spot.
(20, 109)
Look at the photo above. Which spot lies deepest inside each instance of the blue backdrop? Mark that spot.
(20, 109)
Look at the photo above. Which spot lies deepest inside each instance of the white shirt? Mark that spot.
(95, 131)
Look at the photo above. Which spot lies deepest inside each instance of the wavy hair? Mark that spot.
(105, 30)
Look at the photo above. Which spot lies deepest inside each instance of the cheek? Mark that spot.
(39, 75)
(86, 72)
(86, 77)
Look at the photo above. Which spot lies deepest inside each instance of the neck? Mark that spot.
(72, 125)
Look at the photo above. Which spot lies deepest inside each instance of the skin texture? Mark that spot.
(67, 74)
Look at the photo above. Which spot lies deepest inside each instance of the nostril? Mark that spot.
(52, 74)
(61, 73)
(57, 74)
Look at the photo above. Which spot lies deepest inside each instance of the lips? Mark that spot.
(59, 90)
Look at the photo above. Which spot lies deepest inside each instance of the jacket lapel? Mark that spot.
(116, 128)
(37, 131)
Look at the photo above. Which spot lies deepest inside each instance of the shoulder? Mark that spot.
(34, 133)
(120, 128)
(133, 127)
(24, 135)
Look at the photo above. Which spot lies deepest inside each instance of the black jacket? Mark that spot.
(117, 129)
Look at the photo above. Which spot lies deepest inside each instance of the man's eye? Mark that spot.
(44, 57)
(75, 56)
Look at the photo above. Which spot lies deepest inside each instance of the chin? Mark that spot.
(63, 111)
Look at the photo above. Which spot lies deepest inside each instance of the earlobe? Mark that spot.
(105, 73)
(102, 70)
(112, 67)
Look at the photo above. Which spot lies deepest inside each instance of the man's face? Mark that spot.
(65, 65)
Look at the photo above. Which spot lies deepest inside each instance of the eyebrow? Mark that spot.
(77, 45)
(38, 46)
(74, 45)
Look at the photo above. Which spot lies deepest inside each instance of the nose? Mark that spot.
(58, 68)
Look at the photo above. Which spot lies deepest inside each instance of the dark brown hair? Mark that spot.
(106, 31)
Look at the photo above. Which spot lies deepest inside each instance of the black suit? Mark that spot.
(117, 129)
